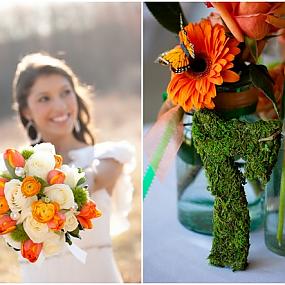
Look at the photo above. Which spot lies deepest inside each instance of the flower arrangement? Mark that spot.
(217, 61)
(43, 203)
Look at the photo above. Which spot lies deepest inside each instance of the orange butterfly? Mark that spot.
(179, 57)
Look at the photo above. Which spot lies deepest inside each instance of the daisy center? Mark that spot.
(200, 66)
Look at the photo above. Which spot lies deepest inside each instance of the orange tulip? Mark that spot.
(253, 19)
(2, 185)
(55, 177)
(58, 160)
(31, 250)
(7, 225)
(57, 222)
(30, 186)
(88, 212)
(14, 158)
(44, 212)
(3, 205)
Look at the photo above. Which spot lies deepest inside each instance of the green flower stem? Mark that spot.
(281, 204)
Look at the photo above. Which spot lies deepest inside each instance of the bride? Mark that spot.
(49, 103)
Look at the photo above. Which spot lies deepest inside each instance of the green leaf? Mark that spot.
(68, 238)
(252, 45)
(167, 14)
(81, 181)
(75, 233)
(6, 175)
(27, 153)
(10, 169)
(261, 79)
(19, 234)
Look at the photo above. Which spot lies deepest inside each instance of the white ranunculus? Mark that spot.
(11, 241)
(71, 222)
(14, 196)
(60, 193)
(39, 164)
(45, 147)
(24, 214)
(54, 244)
(37, 232)
(72, 176)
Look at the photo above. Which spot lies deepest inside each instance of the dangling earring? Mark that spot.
(77, 127)
(38, 138)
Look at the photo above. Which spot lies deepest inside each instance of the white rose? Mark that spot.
(45, 147)
(60, 193)
(72, 176)
(39, 164)
(71, 222)
(11, 241)
(54, 243)
(36, 231)
(14, 196)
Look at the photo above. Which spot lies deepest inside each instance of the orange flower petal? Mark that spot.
(229, 21)
(230, 76)
(275, 21)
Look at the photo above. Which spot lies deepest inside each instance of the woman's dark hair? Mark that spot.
(29, 69)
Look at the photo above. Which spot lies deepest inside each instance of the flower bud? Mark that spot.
(14, 158)
(31, 250)
(55, 177)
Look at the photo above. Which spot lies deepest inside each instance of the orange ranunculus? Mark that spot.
(44, 212)
(264, 107)
(88, 212)
(14, 158)
(3, 205)
(2, 185)
(253, 19)
(57, 222)
(214, 53)
(31, 250)
(58, 160)
(55, 176)
(30, 186)
(7, 225)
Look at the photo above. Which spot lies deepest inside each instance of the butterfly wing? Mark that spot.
(176, 58)
(185, 43)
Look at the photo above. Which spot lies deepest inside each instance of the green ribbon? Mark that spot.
(158, 154)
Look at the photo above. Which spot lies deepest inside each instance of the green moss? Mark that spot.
(19, 234)
(80, 196)
(219, 142)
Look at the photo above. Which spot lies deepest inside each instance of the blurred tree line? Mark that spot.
(100, 41)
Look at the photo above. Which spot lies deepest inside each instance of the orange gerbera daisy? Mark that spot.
(214, 53)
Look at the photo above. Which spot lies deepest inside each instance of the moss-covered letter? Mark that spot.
(220, 143)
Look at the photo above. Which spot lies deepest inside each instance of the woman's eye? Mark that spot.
(43, 99)
(66, 92)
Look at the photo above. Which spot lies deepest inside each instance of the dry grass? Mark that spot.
(117, 117)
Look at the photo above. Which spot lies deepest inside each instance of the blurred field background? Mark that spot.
(102, 46)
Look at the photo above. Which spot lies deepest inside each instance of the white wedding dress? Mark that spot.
(100, 265)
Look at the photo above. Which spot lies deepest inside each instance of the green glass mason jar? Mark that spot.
(274, 228)
(195, 202)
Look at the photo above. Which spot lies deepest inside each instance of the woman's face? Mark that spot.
(52, 106)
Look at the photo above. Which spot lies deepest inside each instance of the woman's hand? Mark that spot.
(108, 172)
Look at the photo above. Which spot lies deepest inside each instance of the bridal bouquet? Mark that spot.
(43, 203)
(218, 78)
